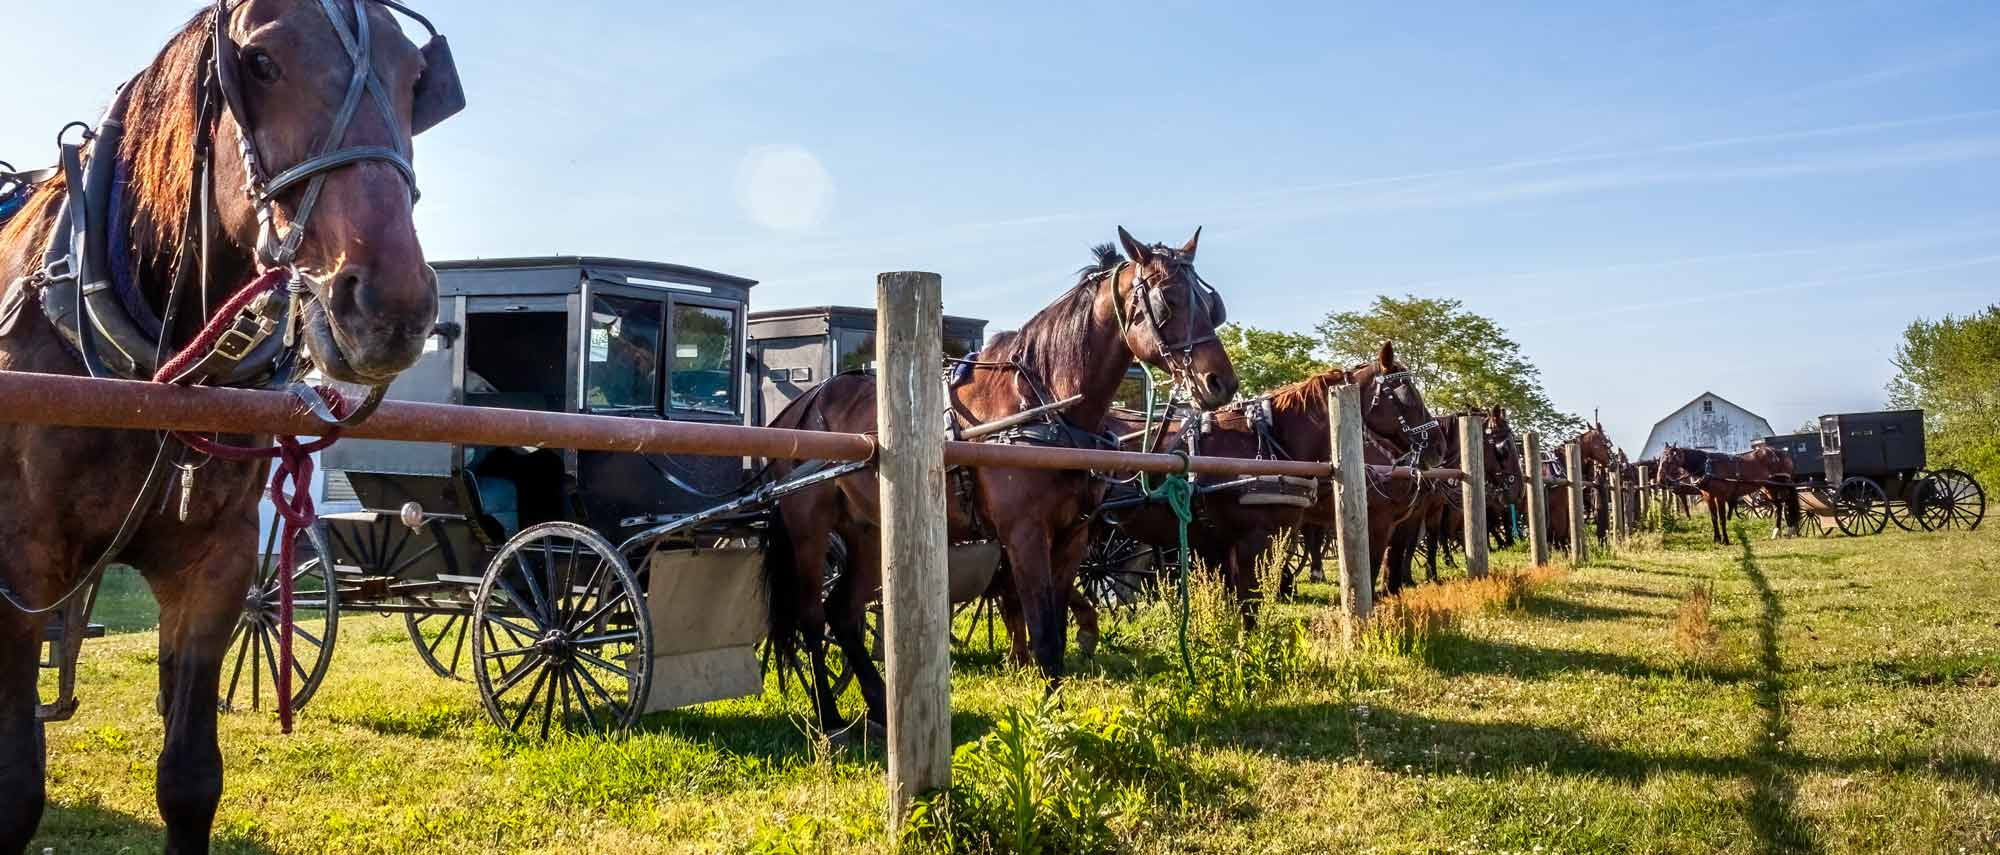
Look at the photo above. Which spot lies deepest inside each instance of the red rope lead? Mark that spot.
(294, 464)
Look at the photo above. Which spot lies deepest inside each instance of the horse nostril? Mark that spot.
(350, 287)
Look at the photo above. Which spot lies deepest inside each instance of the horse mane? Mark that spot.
(1051, 343)
(159, 131)
(1307, 393)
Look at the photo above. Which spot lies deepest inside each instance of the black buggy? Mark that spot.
(1866, 470)
(576, 589)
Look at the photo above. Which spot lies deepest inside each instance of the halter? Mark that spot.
(1418, 436)
(1150, 294)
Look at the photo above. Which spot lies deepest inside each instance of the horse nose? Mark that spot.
(385, 318)
(1220, 389)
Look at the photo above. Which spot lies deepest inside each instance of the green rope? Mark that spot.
(1178, 492)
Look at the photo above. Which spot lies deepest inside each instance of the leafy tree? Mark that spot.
(1266, 359)
(1462, 359)
(1950, 368)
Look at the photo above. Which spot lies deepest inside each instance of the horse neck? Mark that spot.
(1299, 417)
(1100, 359)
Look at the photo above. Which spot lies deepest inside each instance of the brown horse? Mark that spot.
(1506, 485)
(1724, 478)
(1444, 510)
(267, 83)
(1596, 451)
(1235, 523)
(1149, 305)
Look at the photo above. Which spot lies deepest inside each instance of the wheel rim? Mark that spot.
(1861, 508)
(561, 640)
(443, 641)
(1117, 573)
(250, 665)
(1953, 500)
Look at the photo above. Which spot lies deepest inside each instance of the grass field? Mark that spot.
(1825, 695)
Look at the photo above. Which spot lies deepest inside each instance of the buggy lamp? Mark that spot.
(412, 515)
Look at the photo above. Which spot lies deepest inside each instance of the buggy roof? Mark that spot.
(828, 311)
(565, 273)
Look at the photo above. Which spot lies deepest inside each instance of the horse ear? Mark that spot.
(1388, 355)
(1187, 249)
(1134, 250)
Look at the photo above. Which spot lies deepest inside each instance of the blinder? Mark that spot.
(439, 94)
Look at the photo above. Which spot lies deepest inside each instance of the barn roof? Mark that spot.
(1696, 399)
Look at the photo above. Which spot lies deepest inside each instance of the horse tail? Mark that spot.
(782, 618)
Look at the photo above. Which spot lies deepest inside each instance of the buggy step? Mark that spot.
(52, 632)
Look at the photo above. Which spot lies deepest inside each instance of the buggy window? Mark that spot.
(624, 352)
(855, 349)
(704, 376)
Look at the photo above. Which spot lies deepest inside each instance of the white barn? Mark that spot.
(1707, 422)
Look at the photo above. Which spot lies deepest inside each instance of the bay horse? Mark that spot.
(1722, 479)
(1234, 526)
(1596, 450)
(1147, 304)
(1444, 510)
(1506, 485)
(325, 207)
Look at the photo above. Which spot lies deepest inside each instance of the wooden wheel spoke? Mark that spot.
(514, 677)
(521, 715)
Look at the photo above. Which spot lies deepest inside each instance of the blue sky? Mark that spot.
(1656, 199)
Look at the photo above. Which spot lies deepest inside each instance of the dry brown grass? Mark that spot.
(1695, 634)
(1408, 623)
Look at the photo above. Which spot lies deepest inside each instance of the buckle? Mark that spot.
(235, 343)
(61, 270)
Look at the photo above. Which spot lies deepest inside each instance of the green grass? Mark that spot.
(1847, 701)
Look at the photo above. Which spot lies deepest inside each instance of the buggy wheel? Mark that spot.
(1907, 513)
(250, 663)
(1951, 500)
(560, 635)
(976, 612)
(442, 639)
(1117, 572)
(1860, 507)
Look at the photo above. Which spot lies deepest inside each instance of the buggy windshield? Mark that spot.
(624, 354)
(703, 376)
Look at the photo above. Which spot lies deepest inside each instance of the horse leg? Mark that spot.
(809, 542)
(1043, 606)
(1315, 541)
(22, 759)
(848, 618)
(1086, 622)
(199, 607)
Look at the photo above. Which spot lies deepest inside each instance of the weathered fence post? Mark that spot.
(1618, 502)
(916, 613)
(1350, 510)
(1538, 498)
(1472, 458)
(1579, 530)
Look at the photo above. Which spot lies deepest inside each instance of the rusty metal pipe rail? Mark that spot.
(82, 402)
(52, 399)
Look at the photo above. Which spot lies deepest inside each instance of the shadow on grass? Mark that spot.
(1455, 654)
(85, 829)
(1772, 808)
(1561, 608)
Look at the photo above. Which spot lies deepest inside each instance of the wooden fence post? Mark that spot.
(1646, 496)
(916, 608)
(1350, 510)
(1472, 458)
(1579, 529)
(1538, 498)
(1618, 503)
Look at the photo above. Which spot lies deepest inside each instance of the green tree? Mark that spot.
(1950, 368)
(1462, 360)
(1266, 359)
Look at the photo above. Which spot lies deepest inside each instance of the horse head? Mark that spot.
(1393, 407)
(321, 100)
(1168, 317)
(1596, 446)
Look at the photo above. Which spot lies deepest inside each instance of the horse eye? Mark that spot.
(262, 66)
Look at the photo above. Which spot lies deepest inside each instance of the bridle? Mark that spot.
(438, 96)
(1416, 436)
(1157, 310)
